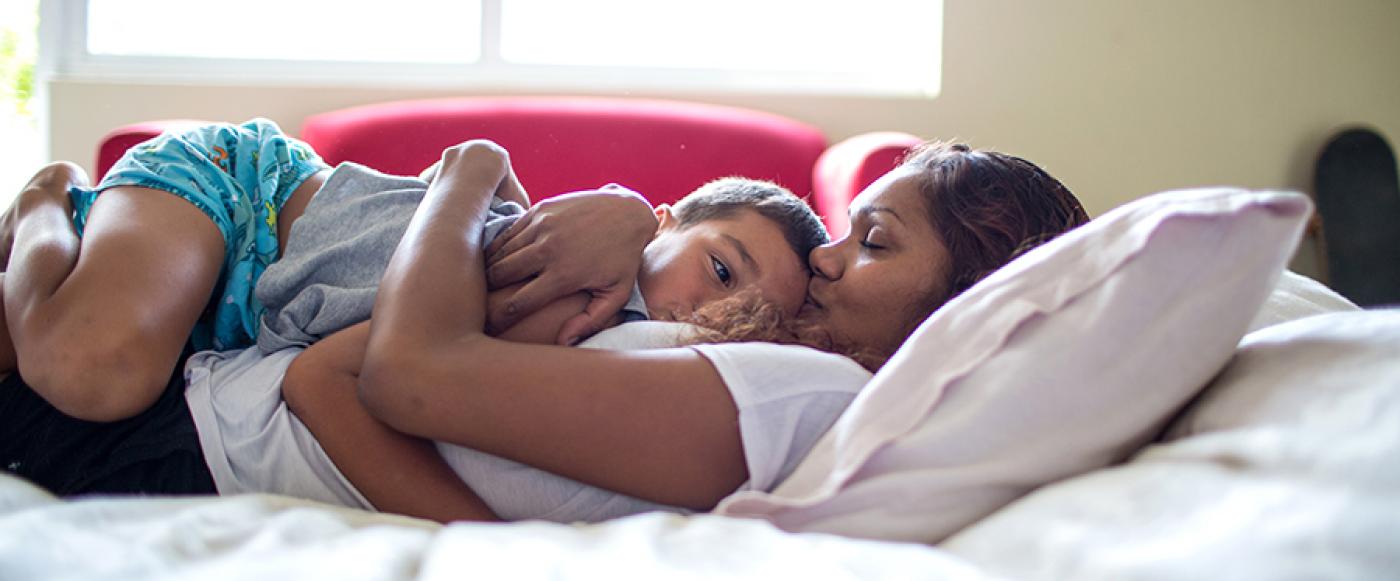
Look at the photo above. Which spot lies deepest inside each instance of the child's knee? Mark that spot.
(59, 174)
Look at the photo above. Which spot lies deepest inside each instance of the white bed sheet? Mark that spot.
(261, 537)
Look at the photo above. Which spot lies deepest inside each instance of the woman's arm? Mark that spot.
(659, 425)
(397, 473)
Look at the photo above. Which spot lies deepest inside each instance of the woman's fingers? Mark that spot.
(594, 317)
(511, 190)
(517, 236)
(528, 299)
(516, 267)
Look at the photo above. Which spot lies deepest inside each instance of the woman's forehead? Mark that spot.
(897, 191)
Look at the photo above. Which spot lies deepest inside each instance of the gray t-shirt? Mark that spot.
(338, 250)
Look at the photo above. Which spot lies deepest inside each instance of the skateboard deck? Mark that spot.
(1358, 199)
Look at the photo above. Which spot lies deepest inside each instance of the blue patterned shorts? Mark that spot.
(239, 176)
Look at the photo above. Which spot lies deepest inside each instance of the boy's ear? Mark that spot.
(664, 218)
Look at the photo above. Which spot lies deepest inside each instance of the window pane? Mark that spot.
(325, 30)
(779, 35)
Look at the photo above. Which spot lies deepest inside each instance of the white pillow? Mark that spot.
(1297, 296)
(1063, 361)
(1290, 474)
(1299, 372)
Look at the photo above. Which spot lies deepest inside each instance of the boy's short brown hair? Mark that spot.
(723, 198)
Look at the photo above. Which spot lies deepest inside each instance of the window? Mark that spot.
(875, 46)
(21, 144)
(309, 30)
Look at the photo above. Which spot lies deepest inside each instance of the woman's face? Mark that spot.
(871, 288)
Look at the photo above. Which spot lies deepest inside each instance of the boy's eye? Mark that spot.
(721, 270)
(866, 243)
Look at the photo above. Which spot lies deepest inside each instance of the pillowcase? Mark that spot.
(1065, 360)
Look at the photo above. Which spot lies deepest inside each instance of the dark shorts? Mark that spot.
(156, 452)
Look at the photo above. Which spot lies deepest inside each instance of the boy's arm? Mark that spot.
(397, 473)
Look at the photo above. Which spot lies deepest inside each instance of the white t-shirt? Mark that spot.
(787, 396)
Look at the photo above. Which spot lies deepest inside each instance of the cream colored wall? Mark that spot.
(1117, 98)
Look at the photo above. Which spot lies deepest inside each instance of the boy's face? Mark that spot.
(685, 268)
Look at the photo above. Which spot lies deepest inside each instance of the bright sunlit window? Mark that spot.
(874, 46)
(307, 30)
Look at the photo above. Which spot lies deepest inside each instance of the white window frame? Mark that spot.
(64, 56)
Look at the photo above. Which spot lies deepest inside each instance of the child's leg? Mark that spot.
(98, 332)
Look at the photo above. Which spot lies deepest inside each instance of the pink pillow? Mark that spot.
(1066, 360)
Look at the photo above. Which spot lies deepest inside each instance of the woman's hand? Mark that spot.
(584, 241)
(480, 158)
(511, 190)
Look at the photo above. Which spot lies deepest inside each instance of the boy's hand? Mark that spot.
(585, 241)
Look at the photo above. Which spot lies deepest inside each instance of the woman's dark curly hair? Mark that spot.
(988, 208)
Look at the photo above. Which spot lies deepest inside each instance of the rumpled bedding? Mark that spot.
(261, 537)
(1287, 467)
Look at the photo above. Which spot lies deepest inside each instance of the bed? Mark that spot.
(1259, 479)
(1151, 396)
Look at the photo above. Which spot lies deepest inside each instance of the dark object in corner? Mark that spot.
(1358, 197)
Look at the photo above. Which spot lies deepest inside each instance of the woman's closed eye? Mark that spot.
(873, 240)
(721, 271)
